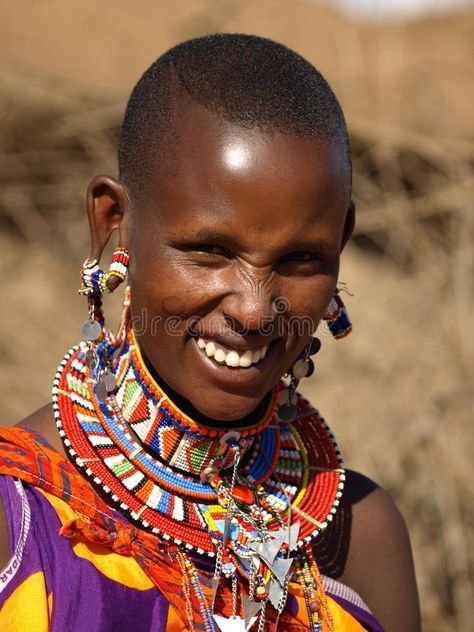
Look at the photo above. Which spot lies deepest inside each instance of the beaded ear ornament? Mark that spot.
(336, 316)
(340, 326)
(95, 283)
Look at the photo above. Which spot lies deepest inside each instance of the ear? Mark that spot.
(107, 206)
(349, 224)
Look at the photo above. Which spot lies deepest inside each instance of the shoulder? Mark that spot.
(379, 564)
(42, 421)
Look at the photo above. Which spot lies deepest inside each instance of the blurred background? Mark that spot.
(399, 391)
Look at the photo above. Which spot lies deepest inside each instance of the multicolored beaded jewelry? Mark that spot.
(96, 280)
(226, 494)
(337, 317)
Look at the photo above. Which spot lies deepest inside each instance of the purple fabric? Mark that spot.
(31, 560)
(365, 618)
(84, 600)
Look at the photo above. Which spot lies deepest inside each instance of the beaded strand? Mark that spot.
(173, 480)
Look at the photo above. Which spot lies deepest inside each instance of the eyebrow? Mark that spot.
(207, 234)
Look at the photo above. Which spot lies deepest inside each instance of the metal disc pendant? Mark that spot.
(91, 359)
(301, 368)
(109, 381)
(287, 412)
(314, 345)
(286, 396)
(101, 391)
(91, 330)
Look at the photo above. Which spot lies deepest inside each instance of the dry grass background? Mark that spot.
(399, 391)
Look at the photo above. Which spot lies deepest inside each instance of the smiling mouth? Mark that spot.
(233, 358)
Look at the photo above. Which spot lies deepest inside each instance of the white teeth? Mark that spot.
(210, 349)
(220, 356)
(246, 359)
(232, 358)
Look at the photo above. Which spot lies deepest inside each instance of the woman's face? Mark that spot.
(234, 257)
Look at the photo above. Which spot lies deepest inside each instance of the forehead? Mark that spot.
(211, 170)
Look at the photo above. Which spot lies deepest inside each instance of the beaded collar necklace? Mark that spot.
(220, 493)
(172, 436)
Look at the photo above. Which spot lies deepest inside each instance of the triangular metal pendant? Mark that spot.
(214, 587)
(266, 550)
(279, 537)
(280, 568)
(251, 609)
(275, 592)
(226, 531)
(294, 533)
(234, 624)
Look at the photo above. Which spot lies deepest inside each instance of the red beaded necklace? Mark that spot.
(176, 503)
(189, 482)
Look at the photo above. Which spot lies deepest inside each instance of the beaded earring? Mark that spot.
(95, 283)
(337, 318)
(95, 280)
(302, 367)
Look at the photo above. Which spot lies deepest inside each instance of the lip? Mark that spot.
(237, 345)
(232, 376)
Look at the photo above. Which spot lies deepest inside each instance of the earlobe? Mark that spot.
(106, 209)
(349, 224)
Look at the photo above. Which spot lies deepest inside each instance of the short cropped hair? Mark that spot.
(251, 81)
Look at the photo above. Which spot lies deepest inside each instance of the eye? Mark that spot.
(210, 249)
(301, 256)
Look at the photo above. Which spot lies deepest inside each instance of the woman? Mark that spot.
(183, 485)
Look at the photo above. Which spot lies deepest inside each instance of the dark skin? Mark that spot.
(232, 221)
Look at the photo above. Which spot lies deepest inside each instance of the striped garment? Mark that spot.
(77, 565)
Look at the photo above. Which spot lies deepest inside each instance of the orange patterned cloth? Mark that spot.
(108, 537)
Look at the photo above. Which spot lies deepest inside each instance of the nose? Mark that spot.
(253, 304)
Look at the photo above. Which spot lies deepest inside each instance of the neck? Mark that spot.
(182, 410)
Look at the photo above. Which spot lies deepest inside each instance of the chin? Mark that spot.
(227, 407)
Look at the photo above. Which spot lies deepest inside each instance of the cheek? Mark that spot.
(308, 298)
(172, 292)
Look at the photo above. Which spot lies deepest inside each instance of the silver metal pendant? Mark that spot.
(294, 533)
(301, 368)
(280, 568)
(251, 609)
(92, 359)
(287, 396)
(214, 588)
(101, 390)
(234, 624)
(109, 381)
(268, 550)
(284, 396)
(275, 592)
(287, 412)
(91, 330)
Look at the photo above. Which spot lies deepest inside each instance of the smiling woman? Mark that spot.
(176, 482)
